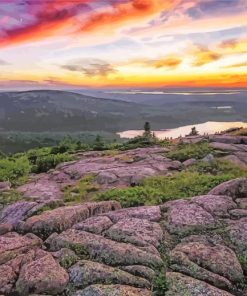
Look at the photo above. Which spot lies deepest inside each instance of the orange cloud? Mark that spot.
(125, 12)
(56, 15)
(170, 62)
(48, 18)
(234, 45)
(203, 56)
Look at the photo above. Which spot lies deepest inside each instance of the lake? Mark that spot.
(209, 127)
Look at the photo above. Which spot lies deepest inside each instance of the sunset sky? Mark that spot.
(123, 43)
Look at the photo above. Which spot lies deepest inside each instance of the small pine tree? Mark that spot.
(147, 130)
(98, 144)
(193, 132)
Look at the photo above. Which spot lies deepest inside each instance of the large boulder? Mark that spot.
(43, 189)
(8, 278)
(235, 160)
(217, 205)
(237, 231)
(236, 188)
(184, 217)
(12, 245)
(15, 251)
(227, 139)
(43, 275)
(15, 212)
(224, 147)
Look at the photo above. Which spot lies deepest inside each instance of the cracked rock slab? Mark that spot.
(112, 290)
(43, 275)
(150, 213)
(214, 263)
(186, 217)
(217, 205)
(102, 249)
(12, 245)
(140, 232)
(181, 285)
(96, 224)
(237, 231)
(65, 217)
(85, 273)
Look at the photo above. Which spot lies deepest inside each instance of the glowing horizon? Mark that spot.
(123, 43)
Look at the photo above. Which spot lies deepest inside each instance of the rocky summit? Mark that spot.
(182, 247)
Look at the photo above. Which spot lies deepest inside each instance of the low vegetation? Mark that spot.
(196, 180)
(186, 151)
(10, 197)
(81, 191)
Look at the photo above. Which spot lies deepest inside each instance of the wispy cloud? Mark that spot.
(90, 67)
(4, 63)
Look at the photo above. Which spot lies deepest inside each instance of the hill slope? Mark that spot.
(64, 111)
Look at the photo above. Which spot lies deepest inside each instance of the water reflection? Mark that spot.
(209, 127)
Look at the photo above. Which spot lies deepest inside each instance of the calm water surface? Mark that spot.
(209, 127)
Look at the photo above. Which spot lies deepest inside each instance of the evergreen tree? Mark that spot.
(147, 129)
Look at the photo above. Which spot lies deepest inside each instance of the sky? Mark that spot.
(123, 43)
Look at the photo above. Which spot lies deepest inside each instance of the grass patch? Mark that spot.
(81, 191)
(10, 197)
(196, 180)
(185, 151)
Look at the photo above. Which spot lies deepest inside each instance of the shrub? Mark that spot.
(132, 196)
(139, 142)
(160, 285)
(11, 169)
(186, 151)
(46, 162)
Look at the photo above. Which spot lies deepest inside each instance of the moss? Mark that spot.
(80, 250)
(68, 259)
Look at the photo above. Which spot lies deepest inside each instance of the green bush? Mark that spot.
(186, 151)
(160, 285)
(139, 142)
(11, 169)
(197, 180)
(46, 162)
(132, 196)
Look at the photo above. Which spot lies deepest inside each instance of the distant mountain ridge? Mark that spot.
(55, 111)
